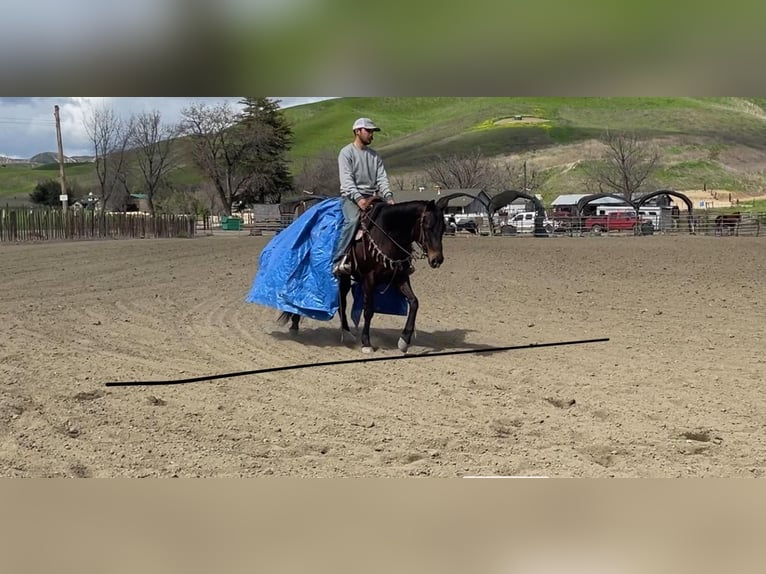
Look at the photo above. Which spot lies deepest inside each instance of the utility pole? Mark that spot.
(63, 197)
(525, 176)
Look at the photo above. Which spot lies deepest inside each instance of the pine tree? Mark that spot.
(47, 193)
(266, 126)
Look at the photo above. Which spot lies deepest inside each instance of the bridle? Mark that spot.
(380, 255)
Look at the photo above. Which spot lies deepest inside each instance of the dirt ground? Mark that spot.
(675, 392)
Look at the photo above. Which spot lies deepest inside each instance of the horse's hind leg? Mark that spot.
(344, 287)
(294, 319)
(409, 327)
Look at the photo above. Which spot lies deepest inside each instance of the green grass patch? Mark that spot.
(698, 174)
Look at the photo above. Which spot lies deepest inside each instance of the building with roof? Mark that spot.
(569, 201)
(137, 202)
(465, 201)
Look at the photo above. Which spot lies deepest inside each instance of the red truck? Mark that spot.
(618, 221)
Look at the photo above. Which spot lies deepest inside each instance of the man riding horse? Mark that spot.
(307, 269)
(363, 179)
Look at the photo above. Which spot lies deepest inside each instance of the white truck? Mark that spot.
(524, 222)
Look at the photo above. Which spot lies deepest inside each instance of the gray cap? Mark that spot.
(365, 123)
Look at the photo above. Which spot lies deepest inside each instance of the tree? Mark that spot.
(271, 135)
(47, 193)
(628, 162)
(110, 136)
(221, 148)
(510, 176)
(152, 143)
(460, 171)
(319, 175)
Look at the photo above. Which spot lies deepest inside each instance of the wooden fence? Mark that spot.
(17, 224)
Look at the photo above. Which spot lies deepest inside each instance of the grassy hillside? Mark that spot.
(713, 142)
(416, 128)
(17, 181)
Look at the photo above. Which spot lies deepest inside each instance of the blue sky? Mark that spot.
(27, 125)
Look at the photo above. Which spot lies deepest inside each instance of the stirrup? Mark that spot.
(342, 267)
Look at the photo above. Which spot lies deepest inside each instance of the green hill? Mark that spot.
(717, 143)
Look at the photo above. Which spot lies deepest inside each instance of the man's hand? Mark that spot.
(391, 201)
(364, 203)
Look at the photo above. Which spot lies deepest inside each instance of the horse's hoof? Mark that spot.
(403, 345)
(367, 350)
(347, 333)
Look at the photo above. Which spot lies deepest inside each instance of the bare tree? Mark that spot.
(473, 171)
(398, 183)
(628, 162)
(220, 148)
(411, 181)
(502, 176)
(110, 136)
(152, 145)
(319, 175)
(460, 171)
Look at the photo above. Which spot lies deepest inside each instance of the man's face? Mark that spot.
(365, 135)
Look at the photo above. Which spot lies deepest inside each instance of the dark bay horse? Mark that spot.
(383, 256)
(728, 223)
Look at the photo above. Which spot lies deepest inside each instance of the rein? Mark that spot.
(380, 255)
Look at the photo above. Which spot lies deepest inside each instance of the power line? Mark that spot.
(25, 121)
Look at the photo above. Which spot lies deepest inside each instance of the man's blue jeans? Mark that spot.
(351, 214)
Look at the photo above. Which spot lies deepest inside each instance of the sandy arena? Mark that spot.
(676, 391)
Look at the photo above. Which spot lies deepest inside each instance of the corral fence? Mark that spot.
(19, 224)
(703, 222)
(710, 222)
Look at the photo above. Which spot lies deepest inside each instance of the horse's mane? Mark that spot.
(391, 215)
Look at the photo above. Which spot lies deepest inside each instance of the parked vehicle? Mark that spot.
(463, 224)
(618, 221)
(468, 225)
(524, 222)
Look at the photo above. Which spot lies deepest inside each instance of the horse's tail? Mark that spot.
(284, 317)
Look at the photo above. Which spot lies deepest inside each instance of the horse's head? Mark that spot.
(432, 230)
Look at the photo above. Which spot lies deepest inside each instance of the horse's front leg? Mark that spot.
(344, 287)
(369, 309)
(409, 326)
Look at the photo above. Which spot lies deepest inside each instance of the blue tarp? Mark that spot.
(295, 269)
(387, 301)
